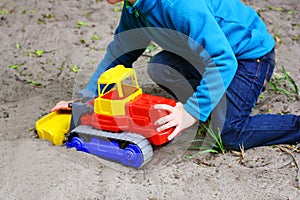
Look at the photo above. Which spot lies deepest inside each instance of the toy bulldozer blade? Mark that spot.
(54, 126)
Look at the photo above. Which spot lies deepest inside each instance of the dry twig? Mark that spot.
(294, 156)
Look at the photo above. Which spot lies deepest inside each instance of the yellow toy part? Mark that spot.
(54, 126)
(126, 88)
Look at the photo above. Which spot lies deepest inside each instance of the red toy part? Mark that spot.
(143, 115)
(139, 118)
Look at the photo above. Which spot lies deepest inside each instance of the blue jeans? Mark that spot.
(238, 127)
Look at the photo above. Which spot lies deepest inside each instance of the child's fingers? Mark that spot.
(62, 105)
(164, 107)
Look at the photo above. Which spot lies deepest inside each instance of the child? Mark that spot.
(218, 57)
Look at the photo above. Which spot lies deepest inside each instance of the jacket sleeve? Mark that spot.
(209, 45)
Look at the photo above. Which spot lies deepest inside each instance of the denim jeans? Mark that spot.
(239, 128)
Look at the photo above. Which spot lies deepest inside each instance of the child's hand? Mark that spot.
(178, 118)
(62, 105)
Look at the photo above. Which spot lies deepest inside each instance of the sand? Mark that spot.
(32, 81)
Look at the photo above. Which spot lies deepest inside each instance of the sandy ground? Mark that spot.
(32, 82)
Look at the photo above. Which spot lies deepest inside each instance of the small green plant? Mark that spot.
(118, 7)
(262, 96)
(83, 41)
(75, 69)
(4, 12)
(18, 46)
(277, 8)
(296, 37)
(39, 53)
(82, 24)
(14, 66)
(48, 16)
(283, 83)
(95, 37)
(211, 143)
(34, 83)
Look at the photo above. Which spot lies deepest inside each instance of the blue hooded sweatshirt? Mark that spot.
(210, 34)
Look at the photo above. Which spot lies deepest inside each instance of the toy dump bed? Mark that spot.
(54, 126)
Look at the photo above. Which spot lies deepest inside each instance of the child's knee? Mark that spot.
(159, 58)
(156, 65)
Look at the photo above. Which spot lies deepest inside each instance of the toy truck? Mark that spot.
(121, 126)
